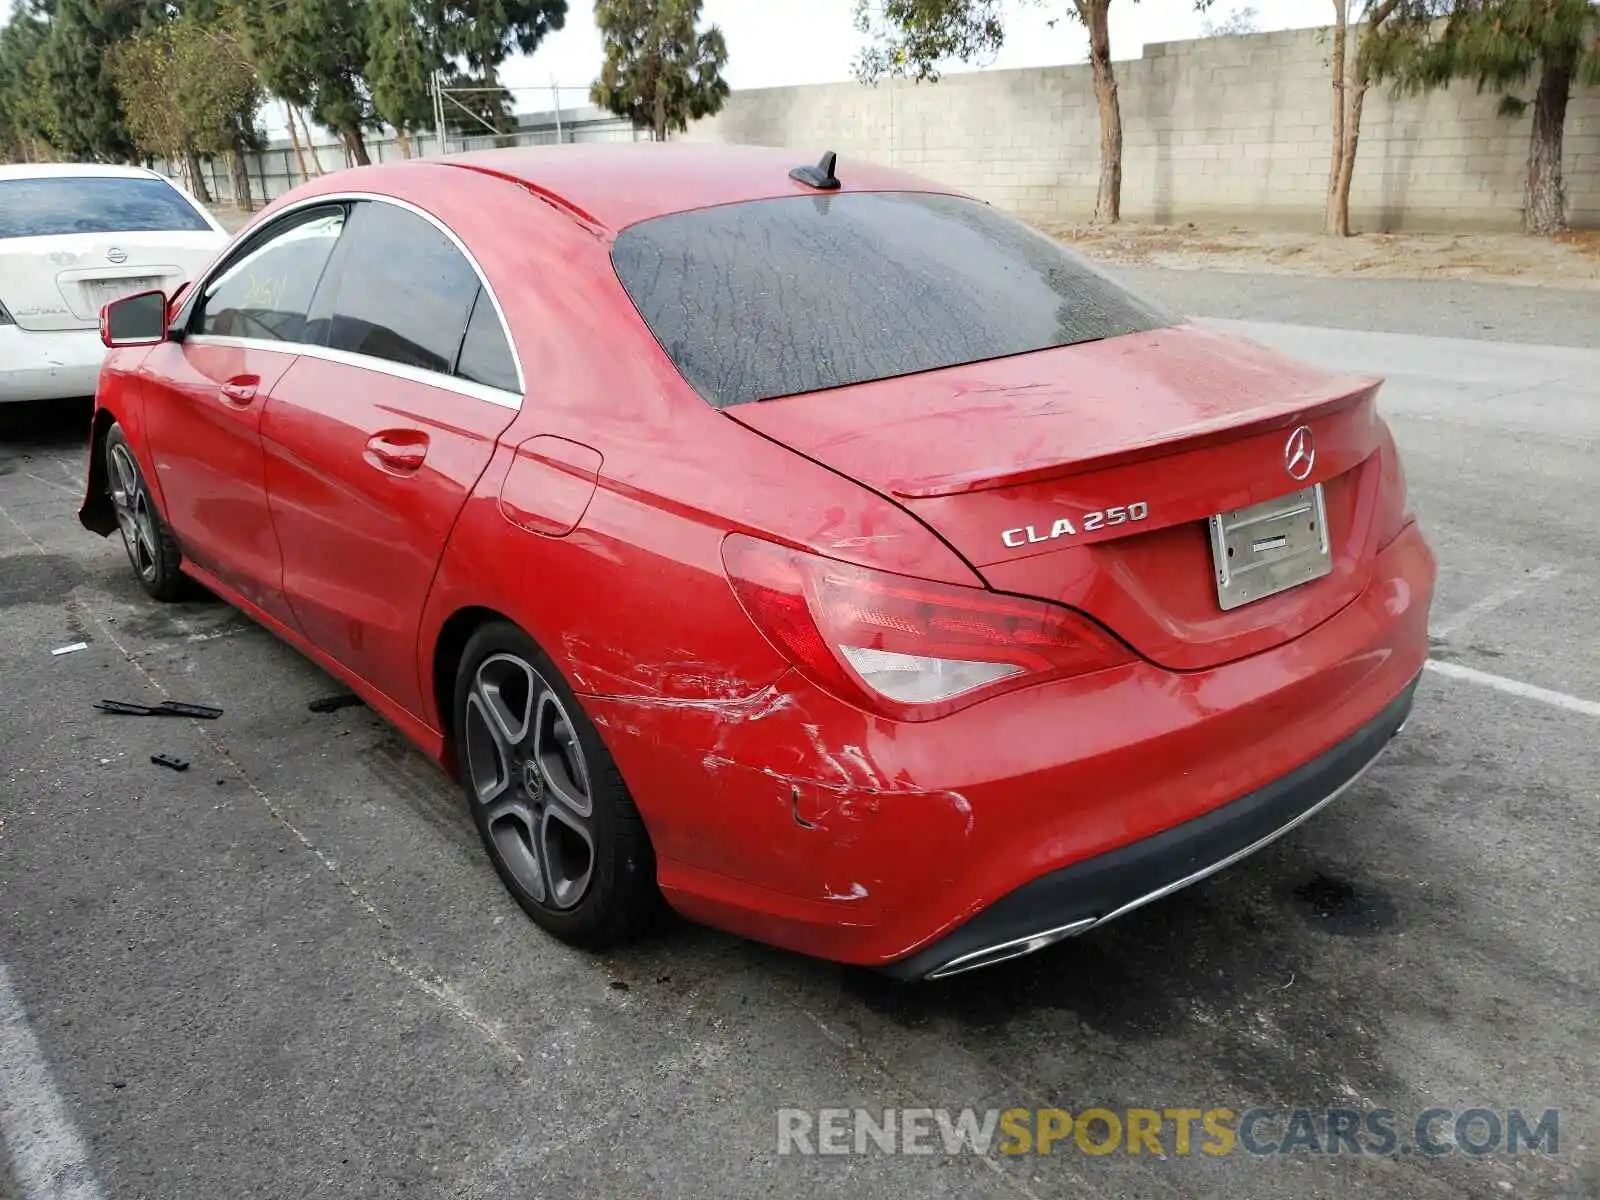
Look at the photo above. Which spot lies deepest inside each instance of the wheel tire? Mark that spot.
(531, 763)
(152, 551)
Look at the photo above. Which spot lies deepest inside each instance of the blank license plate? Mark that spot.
(1269, 547)
(101, 292)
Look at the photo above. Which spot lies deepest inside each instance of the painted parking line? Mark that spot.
(48, 1158)
(1515, 687)
(1498, 598)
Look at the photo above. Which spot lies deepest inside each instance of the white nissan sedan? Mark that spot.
(73, 238)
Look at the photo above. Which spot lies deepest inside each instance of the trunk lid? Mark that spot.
(1087, 475)
(62, 281)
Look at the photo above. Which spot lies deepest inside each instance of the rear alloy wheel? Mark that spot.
(151, 549)
(547, 799)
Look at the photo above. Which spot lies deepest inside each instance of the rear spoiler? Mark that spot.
(1291, 410)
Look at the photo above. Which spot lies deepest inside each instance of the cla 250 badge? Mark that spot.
(1105, 518)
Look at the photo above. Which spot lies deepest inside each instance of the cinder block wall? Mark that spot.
(1219, 129)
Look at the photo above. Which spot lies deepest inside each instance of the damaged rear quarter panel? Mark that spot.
(753, 790)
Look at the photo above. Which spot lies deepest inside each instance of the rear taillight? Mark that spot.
(907, 648)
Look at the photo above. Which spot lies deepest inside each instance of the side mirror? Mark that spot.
(135, 320)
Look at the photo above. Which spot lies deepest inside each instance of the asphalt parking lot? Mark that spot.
(290, 971)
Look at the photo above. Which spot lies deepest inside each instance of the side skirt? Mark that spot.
(427, 739)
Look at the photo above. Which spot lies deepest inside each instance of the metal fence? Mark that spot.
(277, 169)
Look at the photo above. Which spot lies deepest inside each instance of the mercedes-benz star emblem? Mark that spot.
(532, 781)
(1299, 453)
(117, 255)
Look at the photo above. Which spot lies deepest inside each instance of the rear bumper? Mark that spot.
(1086, 894)
(794, 819)
(54, 365)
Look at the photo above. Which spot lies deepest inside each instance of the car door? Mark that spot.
(205, 393)
(374, 441)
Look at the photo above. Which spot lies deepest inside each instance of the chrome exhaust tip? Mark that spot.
(1005, 951)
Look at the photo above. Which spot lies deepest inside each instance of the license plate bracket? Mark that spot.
(1267, 548)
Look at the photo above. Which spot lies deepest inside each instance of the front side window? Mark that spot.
(64, 204)
(796, 294)
(404, 290)
(267, 293)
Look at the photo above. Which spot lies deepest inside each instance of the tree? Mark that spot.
(83, 114)
(1501, 44)
(401, 62)
(351, 63)
(24, 109)
(313, 53)
(1351, 76)
(1238, 22)
(481, 34)
(187, 88)
(477, 36)
(142, 70)
(218, 88)
(465, 40)
(660, 70)
(912, 37)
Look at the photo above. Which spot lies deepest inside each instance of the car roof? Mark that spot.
(616, 184)
(73, 171)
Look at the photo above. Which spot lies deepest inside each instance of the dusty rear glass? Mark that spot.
(771, 298)
(90, 204)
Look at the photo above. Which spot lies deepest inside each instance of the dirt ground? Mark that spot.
(1570, 261)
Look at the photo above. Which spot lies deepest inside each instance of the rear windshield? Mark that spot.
(776, 297)
(66, 204)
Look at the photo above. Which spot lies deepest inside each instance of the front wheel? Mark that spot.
(151, 549)
(548, 800)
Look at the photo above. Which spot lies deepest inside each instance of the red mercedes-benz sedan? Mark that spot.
(813, 547)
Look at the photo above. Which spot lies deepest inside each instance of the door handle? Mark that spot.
(240, 390)
(398, 451)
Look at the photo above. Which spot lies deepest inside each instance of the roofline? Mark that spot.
(587, 219)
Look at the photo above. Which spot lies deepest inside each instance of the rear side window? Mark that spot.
(266, 294)
(485, 355)
(775, 297)
(404, 291)
(91, 204)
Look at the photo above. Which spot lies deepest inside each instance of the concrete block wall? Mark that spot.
(1219, 129)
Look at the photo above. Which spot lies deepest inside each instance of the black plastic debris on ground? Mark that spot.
(167, 708)
(328, 704)
(171, 763)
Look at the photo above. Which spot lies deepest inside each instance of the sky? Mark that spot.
(774, 43)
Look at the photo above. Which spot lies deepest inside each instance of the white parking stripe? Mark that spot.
(1515, 687)
(1496, 599)
(50, 483)
(48, 1159)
